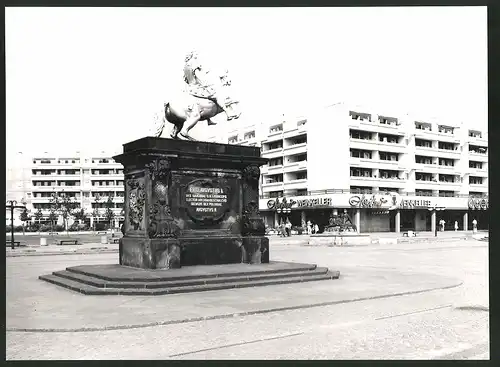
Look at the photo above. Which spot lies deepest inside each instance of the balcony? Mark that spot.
(295, 149)
(275, 169)
(481, 172)
(296, 184)
(272, 153)
(295, 166)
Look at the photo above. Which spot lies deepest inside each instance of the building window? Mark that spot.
(389, 174)
(423, 143)
(360, 172)
(447, 178)
(274, 178)
(474, 164)
(301, 176)
(475, 134)
(420, 176)
(473, 180)
(301, 123)
(475, 194)
(273, 145)
(233, 139)
(446, 193)
(387, 156)
(477, 149)
(359, 153)
(384, 120)
(423, 192)
(276, 162)
(276, 129)
(360, 116)
(387, 138)
(249, 135)
(358, 134)
(275, 194)
(361, 190)
(384, 190)
(421, 159)
(446, 129)
(446, 162)
(299, 140)
(447, 146)
(423, 126)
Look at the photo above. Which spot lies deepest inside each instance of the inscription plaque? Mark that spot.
(206, 199)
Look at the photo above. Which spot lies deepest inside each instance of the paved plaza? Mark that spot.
(422, 300)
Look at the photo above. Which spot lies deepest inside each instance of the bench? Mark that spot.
(406, 234)
(62, 242)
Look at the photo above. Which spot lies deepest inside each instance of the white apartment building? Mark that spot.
(88, 179)
(390, 172)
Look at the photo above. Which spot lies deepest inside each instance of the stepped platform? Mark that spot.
(124, 280)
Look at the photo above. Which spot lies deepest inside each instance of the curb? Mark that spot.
(76, 252)
(224, 316)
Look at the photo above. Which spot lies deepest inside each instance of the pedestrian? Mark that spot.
(456, 225)
(288, 227)
(474, 226)
(442, 223)
(309, 229)
(316, 228)
(313, 228)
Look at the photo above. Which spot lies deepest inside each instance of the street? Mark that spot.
(405, 301)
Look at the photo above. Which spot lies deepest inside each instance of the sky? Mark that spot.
(91, 79)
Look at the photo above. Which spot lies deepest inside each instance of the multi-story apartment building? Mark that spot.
(88, 179)
(389, 172)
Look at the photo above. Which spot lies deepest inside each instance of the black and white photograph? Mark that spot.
(247, 183)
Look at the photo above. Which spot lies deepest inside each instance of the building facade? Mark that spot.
(389, 172)
(88, 179)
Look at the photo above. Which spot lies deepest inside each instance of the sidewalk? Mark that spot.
(87, 248)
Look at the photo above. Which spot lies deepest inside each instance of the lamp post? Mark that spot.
(12, 205)
(436, 208)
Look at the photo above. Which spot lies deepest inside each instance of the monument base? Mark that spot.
(124, 280)
(170, 253)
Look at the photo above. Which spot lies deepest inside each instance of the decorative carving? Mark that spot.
(137, 198)
(161, 222)
(340, 223)
(252, 222)
(251, 175)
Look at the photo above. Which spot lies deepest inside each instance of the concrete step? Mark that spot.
(101, 283)
(116, 273)
(92, 290)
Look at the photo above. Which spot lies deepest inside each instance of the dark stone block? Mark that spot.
(150, 253)
(201, 196)
(256, 250)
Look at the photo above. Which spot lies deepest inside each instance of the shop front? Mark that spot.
(478, 210)
(372, 213)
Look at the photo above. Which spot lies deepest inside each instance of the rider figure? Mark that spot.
(199, 84)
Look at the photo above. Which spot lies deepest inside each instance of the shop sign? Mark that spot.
(478, 203)
(412, 204)
(314, 202)
(379, 212)
(367, 201)
(275, 204)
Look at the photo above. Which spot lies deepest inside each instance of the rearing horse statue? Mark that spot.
(201, 101)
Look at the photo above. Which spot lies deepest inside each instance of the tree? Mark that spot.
(55, 205)
(95, 212)
(38, 217)
(109, 214)
(79, 214)
(66, 207)
(25, 217)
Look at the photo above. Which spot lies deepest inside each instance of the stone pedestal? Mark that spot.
(191, 203)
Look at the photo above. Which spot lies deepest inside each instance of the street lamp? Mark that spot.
(436, 209)
(12, 205)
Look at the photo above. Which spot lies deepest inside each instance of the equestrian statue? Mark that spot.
(205, 96)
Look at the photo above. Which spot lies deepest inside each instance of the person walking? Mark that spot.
(456, 225)
(442, 223)
(309, 229)
(316, 228)
(474, 226)
(288, 227)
